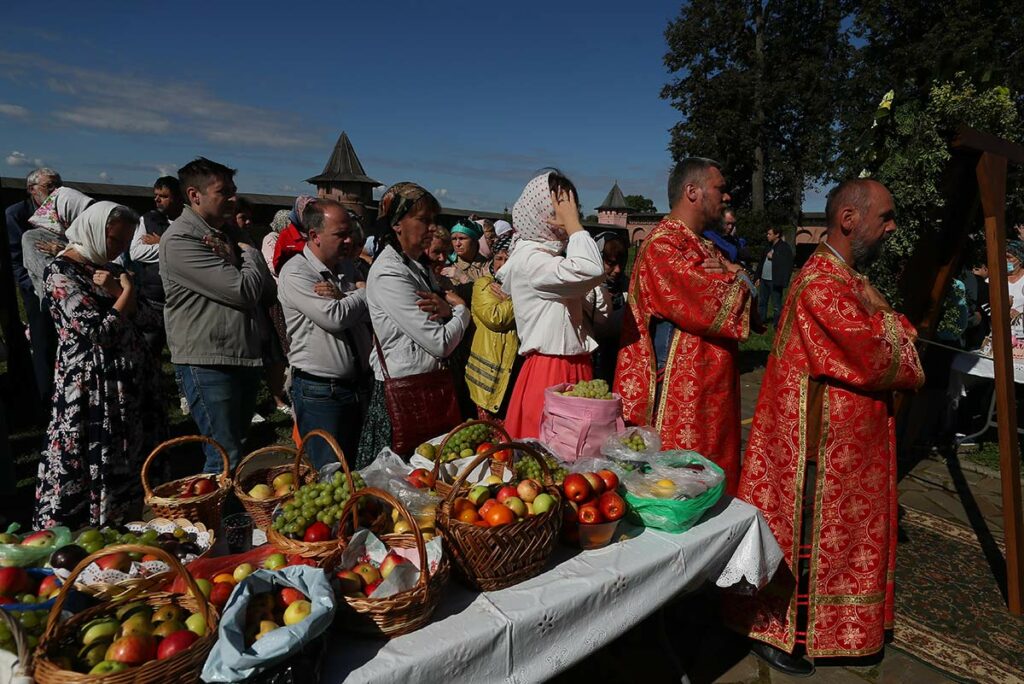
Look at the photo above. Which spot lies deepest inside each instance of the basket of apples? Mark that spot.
(464, 441)
(501, 534)
(198, 497)
(593, 510)
(383, 591)
(262, 489)
(153, 637)
(304, 525)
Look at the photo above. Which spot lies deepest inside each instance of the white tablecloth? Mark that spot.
(540, 627)
(984, 367)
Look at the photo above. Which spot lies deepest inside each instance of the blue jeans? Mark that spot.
(222, 400)
(765, 291)
(330, 406)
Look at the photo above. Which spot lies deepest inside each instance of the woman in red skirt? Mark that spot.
(553, 264)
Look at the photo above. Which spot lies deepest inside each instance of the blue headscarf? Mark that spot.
(469, 228)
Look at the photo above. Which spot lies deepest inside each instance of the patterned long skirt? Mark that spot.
(376, 428)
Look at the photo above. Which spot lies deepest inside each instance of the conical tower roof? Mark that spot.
(614, 201)
(343, 166)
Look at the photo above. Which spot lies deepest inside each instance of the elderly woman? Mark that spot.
(552, 267)
(269, 244)
(51, 220)
(493, 356)
(469, 263)
(416, 326)
(107, 413)
(438, 255)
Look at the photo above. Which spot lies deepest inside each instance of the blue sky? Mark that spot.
(468, 99)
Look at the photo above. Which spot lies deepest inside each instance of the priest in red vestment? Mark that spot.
(688, 309)
(821, 460)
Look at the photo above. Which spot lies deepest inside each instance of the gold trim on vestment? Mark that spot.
(672, 349)
(851, 599)
(633, 301)
(723, 313)
(891, 326)
(819, 493)
(843, 652)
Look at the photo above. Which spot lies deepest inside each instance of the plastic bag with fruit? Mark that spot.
(32, 550)
(577, 419)
(412, 487)
(272, 620)
(677, 490)
(637, 443)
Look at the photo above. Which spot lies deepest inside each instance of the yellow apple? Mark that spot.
(261, 491)
(284, 479)
(266, 626)
(402, 527)
(242, 571)
(297, 612)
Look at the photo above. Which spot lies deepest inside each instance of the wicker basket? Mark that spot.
(261, 510)
(184, 666)
(400, 613)
(23, 668)
(312, 550)
(442, 487)
(491, 558)
(166, 500)
(134, 586)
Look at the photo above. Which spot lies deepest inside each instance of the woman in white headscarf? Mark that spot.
(106, 413)
(554, 263)
(47, 236)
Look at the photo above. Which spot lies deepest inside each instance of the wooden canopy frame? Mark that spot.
(975, 181)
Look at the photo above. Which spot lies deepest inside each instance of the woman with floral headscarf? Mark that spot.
(51, 220)
(416, 326)
(292, 238)
(552, 267)
(107, 411)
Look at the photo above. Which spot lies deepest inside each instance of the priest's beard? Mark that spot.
(864, 253)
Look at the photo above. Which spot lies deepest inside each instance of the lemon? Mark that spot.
(664, 489)
(666, 483)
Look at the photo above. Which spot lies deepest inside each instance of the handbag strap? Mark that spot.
(380, 355)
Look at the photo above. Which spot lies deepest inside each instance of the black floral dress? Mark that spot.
(107, 413)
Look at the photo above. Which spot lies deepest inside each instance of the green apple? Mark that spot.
(242, 571)
(99, 630)
(479, 494)
(543, 503)
(107, 667)
(93, 655)
(196, 623)
(205, 586)
(275, 561)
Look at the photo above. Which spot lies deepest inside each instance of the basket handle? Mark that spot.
(339, 454)
(421, 547)
(222, 479)
(436, 471)
(514, 447)
(265, 450)
(176, 566)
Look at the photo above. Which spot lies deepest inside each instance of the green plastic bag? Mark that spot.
(22, 556)
(673, 509)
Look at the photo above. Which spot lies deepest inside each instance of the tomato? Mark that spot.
(468, 515)
(500, 514)
(462, 504)
(482, 523)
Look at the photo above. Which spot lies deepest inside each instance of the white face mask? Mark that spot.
(1010, 267)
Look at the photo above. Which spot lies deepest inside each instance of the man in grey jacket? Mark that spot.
(213, 281)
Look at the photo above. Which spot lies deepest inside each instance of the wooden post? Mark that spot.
(991, 172)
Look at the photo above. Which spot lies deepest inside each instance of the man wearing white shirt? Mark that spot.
(324, 303)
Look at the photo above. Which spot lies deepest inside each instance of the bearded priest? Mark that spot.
(821, 460)
(688, 309)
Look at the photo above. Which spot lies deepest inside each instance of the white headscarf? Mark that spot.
(531, 214)
(88, 234)
(501, 227)
(60, 209)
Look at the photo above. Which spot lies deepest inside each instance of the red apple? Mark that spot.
(610, 479)
(49, 586)
(576, 488)
(349, 582)
(390, 562)
(372, 587)
(596, 483)
(296, 559)
(13, 581)
(487, 506)
(484, 446)
(175, 643)
(203, 485)
(506, 492)
(421, 478)
(590, 514)
(612, 506)
(529, 490)
(120, 561)
(41, 538)
(368, 573)
(288, 596)
(317, 532)
(220, 593)
(132, 650)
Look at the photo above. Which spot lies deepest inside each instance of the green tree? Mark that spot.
(640, 204)
(757, 84)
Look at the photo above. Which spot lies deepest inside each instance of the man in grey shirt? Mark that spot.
(324, 304)
(213, 281)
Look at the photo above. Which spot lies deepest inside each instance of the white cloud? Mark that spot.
(440, 193)
(287, 188)
(16, 158)
(16, 111)
(151, 105)
(105, 177)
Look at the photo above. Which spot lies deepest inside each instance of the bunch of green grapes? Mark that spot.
(463, 443)
(32, 623)
(318, 501)
(527, 467)
(590, 389)
(635, 442)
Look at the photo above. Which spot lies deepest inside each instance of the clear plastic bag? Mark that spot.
(614, 447)
(389, 472)
(25, 556)
(677, 490)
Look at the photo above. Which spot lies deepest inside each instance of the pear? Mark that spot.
(168, 613)
(168, 627)
(100, 630)
(138, 624)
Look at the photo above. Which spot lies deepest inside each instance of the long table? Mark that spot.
(534, 630)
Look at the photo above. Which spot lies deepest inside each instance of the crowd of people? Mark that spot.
(332, 304)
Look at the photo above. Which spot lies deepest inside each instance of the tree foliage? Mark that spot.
(640, 204)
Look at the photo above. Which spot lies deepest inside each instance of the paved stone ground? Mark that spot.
(687, 636)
